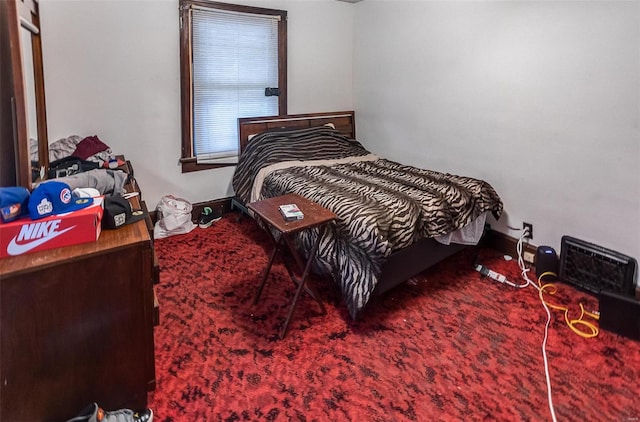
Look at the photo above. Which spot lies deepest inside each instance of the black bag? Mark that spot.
(69, 166)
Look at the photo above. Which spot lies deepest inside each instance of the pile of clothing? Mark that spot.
(89, 148)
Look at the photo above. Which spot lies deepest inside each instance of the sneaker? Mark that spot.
(94, 413)
(208, 217)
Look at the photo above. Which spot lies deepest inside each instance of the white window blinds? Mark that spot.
(235, 57)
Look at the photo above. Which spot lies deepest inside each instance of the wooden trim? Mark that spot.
(191, 164)
(24, 14)
(233, 7)
(505, 244)
(21, 135)
(223, 205)
(188, 160)
(282, 63)
(185, 82)
(41, 106)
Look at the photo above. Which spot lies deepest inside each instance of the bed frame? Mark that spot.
(401, 265)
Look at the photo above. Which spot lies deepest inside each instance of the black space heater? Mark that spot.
(609, 274)
(595, 268)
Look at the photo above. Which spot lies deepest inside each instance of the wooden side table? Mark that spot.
(314, 216)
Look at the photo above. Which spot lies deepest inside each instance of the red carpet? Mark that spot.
(448, 346)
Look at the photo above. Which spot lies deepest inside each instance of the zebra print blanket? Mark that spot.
(382, 206)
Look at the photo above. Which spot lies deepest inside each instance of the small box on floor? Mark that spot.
(620, 314)
(26, 235)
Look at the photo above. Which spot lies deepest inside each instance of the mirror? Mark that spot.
(30, 100)
(31, 48)
(24, 145)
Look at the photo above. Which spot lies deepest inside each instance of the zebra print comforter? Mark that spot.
(382, 206)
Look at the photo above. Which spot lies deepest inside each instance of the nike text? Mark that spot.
(38, 230)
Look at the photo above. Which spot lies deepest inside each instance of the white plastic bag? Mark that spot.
(174, 217)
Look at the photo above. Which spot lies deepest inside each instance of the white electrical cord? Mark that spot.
(525, 270)
(484, 271)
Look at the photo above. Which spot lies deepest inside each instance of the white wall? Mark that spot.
(541, 99)
(112, 70)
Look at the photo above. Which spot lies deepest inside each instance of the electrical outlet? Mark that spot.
(528, 227)
(528, 257)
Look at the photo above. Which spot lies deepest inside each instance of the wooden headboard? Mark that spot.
(342, 120)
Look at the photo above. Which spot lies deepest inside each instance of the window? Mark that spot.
(233, 64)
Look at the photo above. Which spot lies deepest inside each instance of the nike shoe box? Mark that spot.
(25, 235)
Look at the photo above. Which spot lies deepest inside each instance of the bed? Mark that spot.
(394, 221)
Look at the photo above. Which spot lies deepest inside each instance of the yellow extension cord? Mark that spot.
(591, 330)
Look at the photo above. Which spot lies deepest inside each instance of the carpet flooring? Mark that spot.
(446, 346)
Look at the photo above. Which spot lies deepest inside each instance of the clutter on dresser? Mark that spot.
(50, 217)
(14, 203)
(89, 148)
(118, 212)
(79, 200)
(76, 154)
(97, 296)
(69, 166)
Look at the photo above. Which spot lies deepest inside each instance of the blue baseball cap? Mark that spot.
(51, 198)
(14, 202)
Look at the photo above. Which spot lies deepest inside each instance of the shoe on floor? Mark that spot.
(94, 413)
(208, 217)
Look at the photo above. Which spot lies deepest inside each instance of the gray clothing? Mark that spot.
(107, 182)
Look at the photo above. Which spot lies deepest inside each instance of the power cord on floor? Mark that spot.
(524, 270)
(486, 272)
(591, 330)
(574, 324)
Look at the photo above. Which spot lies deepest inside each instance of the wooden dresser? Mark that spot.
(76, 326)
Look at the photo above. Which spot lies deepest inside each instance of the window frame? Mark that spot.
(187, 158)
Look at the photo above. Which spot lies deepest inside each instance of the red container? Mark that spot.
(26, 235)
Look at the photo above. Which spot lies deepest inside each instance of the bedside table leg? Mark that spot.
(268, 269)
(301, 285)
